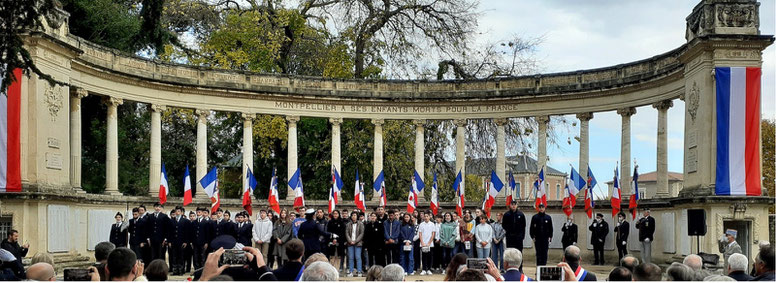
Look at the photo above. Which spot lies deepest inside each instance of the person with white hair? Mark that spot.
(693, 261)
(736, 267)
(679, 272)
(512, 259)
(718, 277)
(393, 272)
(320, 271)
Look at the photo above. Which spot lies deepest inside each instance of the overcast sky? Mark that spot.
(597, 33)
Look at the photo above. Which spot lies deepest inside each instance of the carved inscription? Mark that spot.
(395, 108)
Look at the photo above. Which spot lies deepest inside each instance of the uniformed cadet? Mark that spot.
(622, 234)
(119, 232)
(141, 232)
(599, 230)
(180, 239)
(157, 227)
(541, 231)
(202, 237)
(191, 230)
(133, 230)
(245, 229)
(569, 233)
(226, 226)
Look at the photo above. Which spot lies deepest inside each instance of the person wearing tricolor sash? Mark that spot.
(573, 259)
(512, 259)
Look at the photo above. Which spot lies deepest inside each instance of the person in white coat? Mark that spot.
(262, 231)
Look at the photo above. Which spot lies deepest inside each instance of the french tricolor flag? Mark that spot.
(738, 170)
(163, 186)
(10, 146)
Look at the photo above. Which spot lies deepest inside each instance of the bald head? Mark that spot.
(572, 254)
(41, 272)
(694, 261)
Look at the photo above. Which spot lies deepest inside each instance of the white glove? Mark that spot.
(574, 243)
(647, 240)
(624, 243)
(334, 236)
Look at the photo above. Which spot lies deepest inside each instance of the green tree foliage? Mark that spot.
(16, 19)
(768, 156)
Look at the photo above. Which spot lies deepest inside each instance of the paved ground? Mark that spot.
(600, 271)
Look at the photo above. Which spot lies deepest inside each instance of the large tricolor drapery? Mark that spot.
(738, 170)
(10, 146)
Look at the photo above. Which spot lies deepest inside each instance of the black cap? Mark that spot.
(599, 215)
(224, 241)
(543, 205)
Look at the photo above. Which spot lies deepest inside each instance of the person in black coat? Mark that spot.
(336, 248)
(179, 240)
(141, 234)
(227, 226)
(622, 234)
(157, 226)
(646, 226)
(245, 228)
(202, 237)
(569, 233)
(515, 224)
(310, 232)
(599, 230)
(541, 231)
(132, 230)
(191, 230)
(119, 232)
(11, 244)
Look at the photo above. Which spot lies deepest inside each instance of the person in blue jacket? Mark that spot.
(391, 234)
(407, 232)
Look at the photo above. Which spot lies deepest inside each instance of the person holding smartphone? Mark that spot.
(427, 232)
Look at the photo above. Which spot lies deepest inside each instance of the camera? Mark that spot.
(477, 263)
(77, 274)
(550, 273)
(233, 258)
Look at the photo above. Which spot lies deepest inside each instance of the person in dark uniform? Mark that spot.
(310, 232)
(141, 232)
(541, 231)
(226, 226)
(180, 239)
(245, 228)
(133, 230)
(599, 230)
(119, 232)
(157, 227)
(646, 226)
(622, 234)
(202, 237)
(515, 225)
(569, 233)
(214, 227)
(191, 230)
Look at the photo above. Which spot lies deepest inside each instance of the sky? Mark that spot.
(597, 33)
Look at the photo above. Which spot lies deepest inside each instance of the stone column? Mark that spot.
(75, 137)
(626, 146)
(500, 155)
(248, 145)
(112, 147)
(378, 151)
(583, 152)
(419, 160)
(460, 163)
(291, 153)
(155, 152)
(662, 189)
(542, 132)
(202, 152)
(336, 122)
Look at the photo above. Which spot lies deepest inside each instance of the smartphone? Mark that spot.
(550, 273)
(233, 258)
(77, 274)
(477, 263)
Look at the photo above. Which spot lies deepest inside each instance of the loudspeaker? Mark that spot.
(696, 222)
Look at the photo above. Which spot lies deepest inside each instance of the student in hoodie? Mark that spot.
(407, 233)
(261, 233)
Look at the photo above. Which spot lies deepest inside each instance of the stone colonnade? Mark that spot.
(419, 157)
